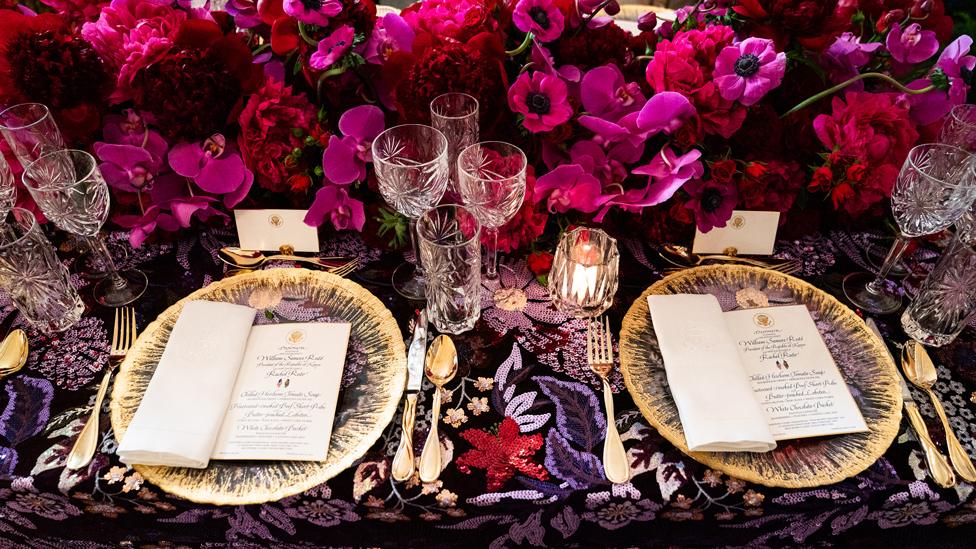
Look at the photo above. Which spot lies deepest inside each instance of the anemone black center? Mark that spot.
(711, 200)
(747, 65)
(539, 15)
(538, 103)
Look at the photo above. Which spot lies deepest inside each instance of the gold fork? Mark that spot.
(599, 353)
(345, 268)
(123, 336)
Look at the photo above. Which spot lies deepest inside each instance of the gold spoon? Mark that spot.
(13, 352)
(683, 257)
(440, 368)
(253, 259)
(921, 371)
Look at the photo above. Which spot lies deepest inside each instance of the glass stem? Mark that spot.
(415, 247)
(99, 248)
(491, 270)
(901, 243)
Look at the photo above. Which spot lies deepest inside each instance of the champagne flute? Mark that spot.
(69, 188)
(934, 188)
(491, 175)
(456, 116)
(410, 162)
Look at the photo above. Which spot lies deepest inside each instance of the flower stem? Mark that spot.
(526, 42)
(830, 91)
(304, 34)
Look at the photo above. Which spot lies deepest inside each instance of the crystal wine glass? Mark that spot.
(8, 190)
(959, 129)
(31, 131)
(934, 188)
(411, 168)
(456, 116)
(69, 188)
(491, 175)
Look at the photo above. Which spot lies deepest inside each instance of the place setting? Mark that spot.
(456, 273)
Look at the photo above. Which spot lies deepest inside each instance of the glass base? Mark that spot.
(409, 283)
(923, 336)
(857, 289)
(112, 292)
(91, 266)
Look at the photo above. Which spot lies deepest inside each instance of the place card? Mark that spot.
(749, 232)
(269, 230)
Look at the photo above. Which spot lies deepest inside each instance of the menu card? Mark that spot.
(284, 399)
(768, 367)
(225, 389)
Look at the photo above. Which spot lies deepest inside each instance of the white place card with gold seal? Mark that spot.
(747, 232)
(269, 230)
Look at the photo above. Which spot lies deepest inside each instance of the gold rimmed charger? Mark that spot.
(367, 402)
(866, 366)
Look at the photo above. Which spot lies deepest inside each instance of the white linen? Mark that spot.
(718, 409)
(180, 415)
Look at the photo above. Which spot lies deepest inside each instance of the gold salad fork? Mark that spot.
(599, 354)
(123, 336)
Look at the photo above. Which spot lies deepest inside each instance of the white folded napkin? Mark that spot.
(180, 414)
(718, 410)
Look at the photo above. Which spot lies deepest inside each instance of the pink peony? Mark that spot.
(130, 35)
(748, 70)
(452, 19)
(266, 136)
(874, 127)
(542, 99)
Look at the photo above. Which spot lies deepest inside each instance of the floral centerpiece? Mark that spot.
(806, 108)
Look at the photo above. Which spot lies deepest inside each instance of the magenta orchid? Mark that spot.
(391, 34)
(126, 167)
(345, 158)
(344, 212)
(172, 208)
(540, 17)
(932, 106)
(569, 187)
(541, 59)
(845, 56)
(665, 112)
(215, 166)
(667, 172)
(542, 99)
(712, 202)
(605, 93)
(747, 71)
(911, 45)
(314, 12)
(332, 48)
(130, 129)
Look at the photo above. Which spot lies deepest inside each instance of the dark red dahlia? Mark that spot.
(595, 47)
(812, 23)
(359, 14)
(197, 89)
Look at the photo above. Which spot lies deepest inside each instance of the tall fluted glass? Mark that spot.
(410, 162)
(934, 188)
(31, 131)
(491, 175)
(946, 302)
(69, 188)
(456, 116)
(959, 129)
(451, 253)
(8, 189)
(38, 283)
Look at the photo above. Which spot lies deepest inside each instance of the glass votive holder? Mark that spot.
(584, 274)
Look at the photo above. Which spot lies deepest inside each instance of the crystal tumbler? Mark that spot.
(946, 302)
(450, 250)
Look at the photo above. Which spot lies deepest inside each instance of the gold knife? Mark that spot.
(939, 468)
(403, 461)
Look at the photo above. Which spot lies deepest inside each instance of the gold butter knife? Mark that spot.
(939, 468)
(403, 461)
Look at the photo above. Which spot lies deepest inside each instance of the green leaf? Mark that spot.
(391, 221)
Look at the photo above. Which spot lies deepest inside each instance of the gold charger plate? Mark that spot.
(864, 362)
(373, 381)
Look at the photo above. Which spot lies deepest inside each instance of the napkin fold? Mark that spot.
(719, 411)
(180, 415)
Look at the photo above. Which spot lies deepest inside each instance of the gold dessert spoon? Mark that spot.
(13, 352)
(683, 257)
(440, 369)
(253, 259)
(921, 371)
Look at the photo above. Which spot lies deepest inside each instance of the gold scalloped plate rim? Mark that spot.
(882, 431)
(387, 326)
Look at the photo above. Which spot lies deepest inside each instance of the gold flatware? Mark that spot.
(599, 353)
(345, 268)
(683, 257)
(786, 267)
(13, 352)
(440, 369)
(921, 371)
(403, 462)
(123, 336)
(253, 259)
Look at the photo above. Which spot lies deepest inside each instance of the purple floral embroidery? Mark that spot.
(72, 358)
(516, 301)
(920, 505)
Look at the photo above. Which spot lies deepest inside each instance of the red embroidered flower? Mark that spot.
(502, 454)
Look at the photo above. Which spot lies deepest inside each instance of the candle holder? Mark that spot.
(584, 272)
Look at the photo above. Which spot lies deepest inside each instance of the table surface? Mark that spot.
(525, 440)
